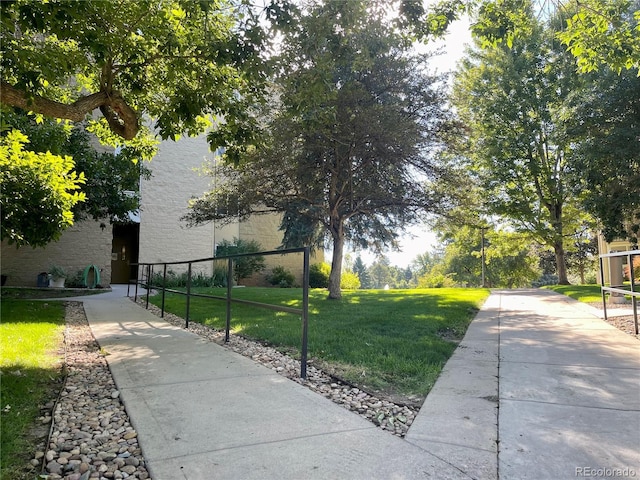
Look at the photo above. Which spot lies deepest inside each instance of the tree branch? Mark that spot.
(122, 119)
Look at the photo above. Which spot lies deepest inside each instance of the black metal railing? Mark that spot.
(621, 289)
(146, 272)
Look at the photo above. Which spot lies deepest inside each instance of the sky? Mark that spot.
(420, 239)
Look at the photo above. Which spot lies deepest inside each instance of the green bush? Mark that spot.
(436, 280)
(76, 280)
(243, 267)
(319, 275)
(349, 281)
(179, 280)
(281, 277)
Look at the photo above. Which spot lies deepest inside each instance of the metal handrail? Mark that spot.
(630, 254)
(148, 268)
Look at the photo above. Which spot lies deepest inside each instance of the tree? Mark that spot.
(243, 266)
(508, 257)
(39, 191)
(360, 269)
(511, 99)
(172, 61)
(111, 179)
(599, 33)
(606, 119)
(583, 257)
(354, 120)
(380, 272)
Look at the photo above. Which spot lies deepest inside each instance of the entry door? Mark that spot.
(124, 251)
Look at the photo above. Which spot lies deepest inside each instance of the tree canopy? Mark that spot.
(350, 133)
(599, 33)
(111, 178)
(605, 118)
(174, 62)
(511, 99)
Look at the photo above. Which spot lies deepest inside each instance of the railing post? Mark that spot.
(148, 284)
(634, 298)
(135, 296)
(164, 288)
(602, 290)
(229, 285)
(188, 295)
(305, 313)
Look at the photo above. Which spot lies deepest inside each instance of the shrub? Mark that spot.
(76, 280)
(319, 275)
(243, 267)
(281, 277)
(436, 280)
(175, 280)
(349, 281)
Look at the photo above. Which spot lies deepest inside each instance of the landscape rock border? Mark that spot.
(91, 436)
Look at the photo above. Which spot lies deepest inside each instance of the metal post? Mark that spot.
(602, 285)
(188, 295)
(634, 299)
(305, 313)
(164, 288)
(135, 296)
(148, 281)
(229, 285)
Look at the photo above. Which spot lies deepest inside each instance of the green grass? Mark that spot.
(39, 293)
(393, 341)
(31, 334)
(582, 293)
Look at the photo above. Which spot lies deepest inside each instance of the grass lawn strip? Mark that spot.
(31, 364)
(40, 293)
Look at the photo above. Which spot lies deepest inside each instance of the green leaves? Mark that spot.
(604, 34)
(39, 192)
(174, 62)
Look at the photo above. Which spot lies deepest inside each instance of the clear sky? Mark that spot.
(419, 238)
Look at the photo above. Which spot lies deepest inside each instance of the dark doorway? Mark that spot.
(124, 252)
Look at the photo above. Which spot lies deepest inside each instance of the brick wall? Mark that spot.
(82, 244)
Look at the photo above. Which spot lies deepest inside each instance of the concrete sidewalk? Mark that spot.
(566, 383)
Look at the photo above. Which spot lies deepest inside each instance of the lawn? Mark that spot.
(31, 334)
(582, 293)
(39, 293)
(393, 341)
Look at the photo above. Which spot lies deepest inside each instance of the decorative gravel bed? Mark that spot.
(623, 323)
(90, 437)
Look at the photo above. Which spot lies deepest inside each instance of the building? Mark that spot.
(615, 270)
(155, 233)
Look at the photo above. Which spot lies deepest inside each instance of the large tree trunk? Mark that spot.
(558, 247)
(335, 276)
(561, 264)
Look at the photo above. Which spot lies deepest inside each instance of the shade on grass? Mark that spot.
(391, 340)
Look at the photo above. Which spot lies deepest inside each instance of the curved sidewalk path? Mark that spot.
(539, 388)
